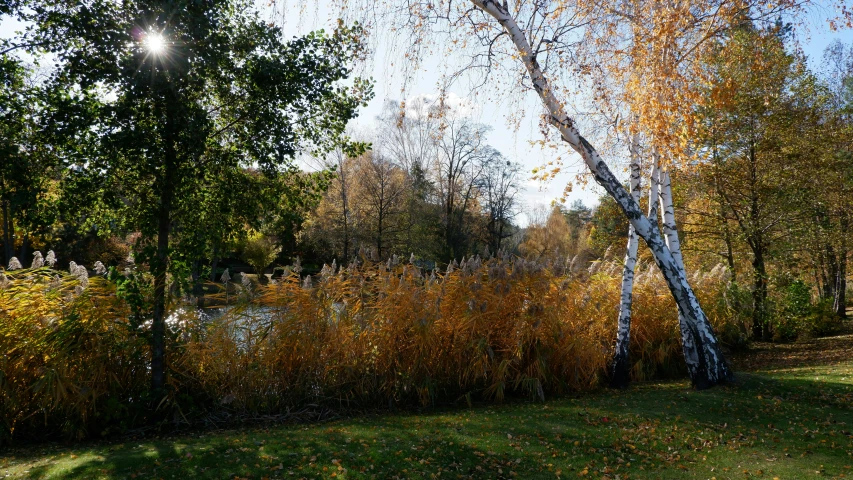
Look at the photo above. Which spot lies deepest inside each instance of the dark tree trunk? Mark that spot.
(840, 299)
(160, 267)
(379, 234)
(760, 327)
(831, 272)
(345, 259)
(8, 245)
(25, 247)
(214, 262)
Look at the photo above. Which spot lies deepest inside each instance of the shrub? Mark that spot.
(259, 251)
(798, 316)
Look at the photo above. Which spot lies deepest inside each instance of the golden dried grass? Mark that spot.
(366, 335)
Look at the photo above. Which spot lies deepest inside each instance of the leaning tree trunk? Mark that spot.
(623, 333)
(712, 368)
(670, 229)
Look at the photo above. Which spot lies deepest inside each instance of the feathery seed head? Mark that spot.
(50, 260)
(80, 272)
(100, 269)
(14, 264)
(4, 282)
(226, 277)
(38, 260)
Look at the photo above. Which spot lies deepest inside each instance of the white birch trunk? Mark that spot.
(712, 368)
(654, 187)
(621, 358)
(670, 231)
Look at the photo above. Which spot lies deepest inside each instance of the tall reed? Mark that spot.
(367, 335)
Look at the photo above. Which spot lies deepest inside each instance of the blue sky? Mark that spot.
(514, 144)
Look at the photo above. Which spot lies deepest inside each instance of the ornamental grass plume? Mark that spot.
(226, 277)
(14, 264)
(38, 261)
(50, 260)
(4, 281)
(82, 275)
(100, 269)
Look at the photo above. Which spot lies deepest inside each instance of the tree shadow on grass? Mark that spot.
(791, 425)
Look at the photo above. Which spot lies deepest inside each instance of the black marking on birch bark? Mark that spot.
(534, 63)
(588, 147)
(566, 122)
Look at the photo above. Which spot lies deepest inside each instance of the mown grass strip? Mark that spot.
(790, 423)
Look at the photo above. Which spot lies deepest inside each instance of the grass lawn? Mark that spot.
(789, 416)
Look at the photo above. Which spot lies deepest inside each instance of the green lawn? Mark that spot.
(782, 421)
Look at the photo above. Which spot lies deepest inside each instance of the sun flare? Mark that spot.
(155, 43)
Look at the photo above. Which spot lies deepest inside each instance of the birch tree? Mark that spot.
(621, 366)
(710, 368)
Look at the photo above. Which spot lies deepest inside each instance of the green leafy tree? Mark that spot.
(27, 186)
(259, 251)
(177, 95)
(760, 105)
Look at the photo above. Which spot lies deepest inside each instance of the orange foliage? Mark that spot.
(365, 335)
